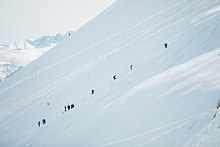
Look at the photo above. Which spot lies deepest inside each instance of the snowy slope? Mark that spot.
(165, 100)
(22, 53)
(209, 136)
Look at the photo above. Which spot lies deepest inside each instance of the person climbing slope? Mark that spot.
(38, 123)
(131, 66)
(114, 77)
(72, 106)
(165, 45)
(92, 91)
(68, 107)
(43, 121)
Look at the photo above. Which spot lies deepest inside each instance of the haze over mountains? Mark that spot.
(167, 99)
(16, 55)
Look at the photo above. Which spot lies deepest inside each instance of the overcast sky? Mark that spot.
(21, 19)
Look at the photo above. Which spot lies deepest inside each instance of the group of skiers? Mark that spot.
(131, 67)
(114, 78)
(68, 107)
(43, 122)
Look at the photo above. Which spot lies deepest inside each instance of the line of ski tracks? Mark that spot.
(160, 131)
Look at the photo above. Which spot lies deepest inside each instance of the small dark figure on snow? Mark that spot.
(114, 77)
(217, 107)
(92, 91)
(69, 34)
(48, 104)
(44, 121)
(68, 107)
(65, 108)
(165, 45)
(38, 124)
(131, 67)
(72, 106)
(218, 104)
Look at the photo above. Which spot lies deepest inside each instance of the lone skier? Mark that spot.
(165, 45)
(114, 77)
(68, 107)
(39, 124)
(131, 67)
(72, 106)
(92, 91)
(44, 121)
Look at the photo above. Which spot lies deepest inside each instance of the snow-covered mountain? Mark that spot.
(167, 99)
(21, 53)
(48, 41)
(19, 45)
(7, 69)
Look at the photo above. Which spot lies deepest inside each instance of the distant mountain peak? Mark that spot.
(20, 53)
(47, 41)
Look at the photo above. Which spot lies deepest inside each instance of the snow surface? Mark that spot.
(166, 100)
(208, 136)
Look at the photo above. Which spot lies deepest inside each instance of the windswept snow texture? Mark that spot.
(209, 136)
(166, 100)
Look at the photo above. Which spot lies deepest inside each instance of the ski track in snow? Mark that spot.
(179, 124)
(170, 130)
(213, 31)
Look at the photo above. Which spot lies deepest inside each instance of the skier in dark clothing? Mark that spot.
(44, 121)
(92, 91)
(114, 77)
(165, 45)
(72, 106)
(68, 107)
(65, 108)
(39, 124)
(131, 67)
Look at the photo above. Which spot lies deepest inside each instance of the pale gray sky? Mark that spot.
(21, 19)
